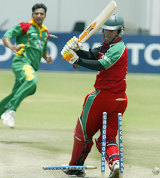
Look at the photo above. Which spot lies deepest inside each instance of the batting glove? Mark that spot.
(69, 55)
(74, 44)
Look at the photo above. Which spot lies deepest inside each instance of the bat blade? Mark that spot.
(100, 20)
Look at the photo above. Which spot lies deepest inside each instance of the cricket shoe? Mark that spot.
(78, 173)
(114, 170)
(8, 118)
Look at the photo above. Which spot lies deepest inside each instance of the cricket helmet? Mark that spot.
(115, 22)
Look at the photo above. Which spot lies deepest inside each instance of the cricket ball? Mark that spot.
(156, 171)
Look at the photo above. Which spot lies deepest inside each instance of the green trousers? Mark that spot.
(25, 85)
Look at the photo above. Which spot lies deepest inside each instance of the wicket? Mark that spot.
(68, 167)
(104, 131)
(104, 127)
(120, 145)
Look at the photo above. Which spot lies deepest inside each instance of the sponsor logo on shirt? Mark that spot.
(46, 38)
(34, 34)
(107, 59)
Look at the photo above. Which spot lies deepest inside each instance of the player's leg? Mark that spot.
(86, 127)
(113, 161)
(7, 114)
(27, 76)
(3, 102)
(113, 107)
(112, 152)
(26, 80)
(81, 147)
(82, 137)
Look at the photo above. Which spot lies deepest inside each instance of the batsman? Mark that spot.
(110, 59)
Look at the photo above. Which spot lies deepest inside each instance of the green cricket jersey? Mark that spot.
(33, 40)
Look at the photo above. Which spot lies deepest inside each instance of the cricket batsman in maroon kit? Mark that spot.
(111, 60)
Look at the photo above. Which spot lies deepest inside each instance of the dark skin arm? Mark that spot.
(7, 42)
(47, 57)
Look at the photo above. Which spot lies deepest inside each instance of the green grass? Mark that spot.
(47, 119)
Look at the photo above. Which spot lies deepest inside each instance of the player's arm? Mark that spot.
(90, 64)
(74, 54)
(71, 56)
(7, 42)
(77, 46)
(47, 57)
(85, 54)
(11, 34)
(92, 54)
(46, 54)
(89, 59)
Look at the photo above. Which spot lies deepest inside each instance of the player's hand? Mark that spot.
(49, 59)
(15, 48)
(74, 44)
(69, 55)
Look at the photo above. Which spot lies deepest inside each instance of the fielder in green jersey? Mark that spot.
(31, 46)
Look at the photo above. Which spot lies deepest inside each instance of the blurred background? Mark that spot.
(140, 16)
(66, 18)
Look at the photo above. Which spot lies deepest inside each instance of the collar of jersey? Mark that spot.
(41, 29)
(116, 41)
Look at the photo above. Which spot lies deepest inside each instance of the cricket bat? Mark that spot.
(98, 22)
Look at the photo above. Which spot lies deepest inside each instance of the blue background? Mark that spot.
(143, 66)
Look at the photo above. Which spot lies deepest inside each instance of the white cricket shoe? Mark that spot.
(8, 118)
(114, 170)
